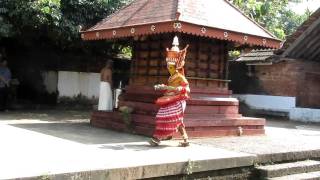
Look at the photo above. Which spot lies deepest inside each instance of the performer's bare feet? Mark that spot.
(168, 138)
(184, 135)
(185, 143)
(154, 142)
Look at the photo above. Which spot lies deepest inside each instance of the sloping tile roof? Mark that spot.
(140, 12)
(305, 42)
(220, 14)
(301, 29)
(257, 56)
(211, 18)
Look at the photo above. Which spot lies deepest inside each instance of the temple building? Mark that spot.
(212, 29)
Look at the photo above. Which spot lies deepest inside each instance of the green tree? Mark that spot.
(18, 16)
(275, 15)
(56, 20)
(5, 26)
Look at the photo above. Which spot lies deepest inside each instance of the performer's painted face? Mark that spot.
(171, 68)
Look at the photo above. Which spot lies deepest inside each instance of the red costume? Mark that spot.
(169, 118)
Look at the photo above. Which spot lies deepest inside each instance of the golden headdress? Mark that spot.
(176, 56)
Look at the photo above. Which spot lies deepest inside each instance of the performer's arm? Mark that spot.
(184, 86)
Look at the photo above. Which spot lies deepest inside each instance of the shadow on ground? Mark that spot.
(68, 125)
(80, 132)
(45, 115)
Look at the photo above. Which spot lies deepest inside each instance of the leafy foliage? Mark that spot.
(4, 25)
(275, 15)
(56, 21)
(21, 15)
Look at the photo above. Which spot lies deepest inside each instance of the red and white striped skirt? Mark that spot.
(168, 119)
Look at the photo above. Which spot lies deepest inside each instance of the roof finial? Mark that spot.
(175, 44)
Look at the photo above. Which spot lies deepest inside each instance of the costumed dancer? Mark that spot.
(169, 118)
(105, 97)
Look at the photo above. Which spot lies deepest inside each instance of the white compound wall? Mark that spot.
(72, 84)
(280, 104)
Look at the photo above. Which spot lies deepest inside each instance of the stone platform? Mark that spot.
(208, 114)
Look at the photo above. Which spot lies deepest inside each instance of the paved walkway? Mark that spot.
(59, 144)
(284, 140)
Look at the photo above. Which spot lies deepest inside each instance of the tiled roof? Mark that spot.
(140, 12)
(301, 29)
(305, 42)
(211, 18)
(220, 14)
(257, 55)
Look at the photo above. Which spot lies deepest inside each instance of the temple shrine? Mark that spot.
(211, 29)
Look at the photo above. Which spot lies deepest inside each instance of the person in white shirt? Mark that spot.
(105, 97)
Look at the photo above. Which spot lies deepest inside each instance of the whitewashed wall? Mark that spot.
(50, 81)
(305, 115)
(280, 104)
(263, 102)
(71, 84)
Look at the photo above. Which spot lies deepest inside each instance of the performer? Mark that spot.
(105, 98)
(169, 118)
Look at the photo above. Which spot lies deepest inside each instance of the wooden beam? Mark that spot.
(134, 65)
(260, 64)
(197, 68)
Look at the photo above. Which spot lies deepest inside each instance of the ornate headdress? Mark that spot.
(176, 56)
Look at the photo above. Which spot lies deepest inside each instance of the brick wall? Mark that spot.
(298, 78)
(279, 79)
(309, 91)
(291, 78)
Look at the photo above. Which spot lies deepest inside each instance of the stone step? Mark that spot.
(189, 120)
(142, 126)
(209, 122)
(223, 132)
(151, 108)
(210, 132)
(135, 89)
(203, 99)
(284, 169)
(206, 117)
(213, 115)
(302, 176)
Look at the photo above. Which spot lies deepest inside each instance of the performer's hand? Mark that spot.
(160, 87)
(182, 89)
(179, 89)
(156, 87)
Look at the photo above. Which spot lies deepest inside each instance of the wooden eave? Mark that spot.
(198, 18)
(180, 27)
